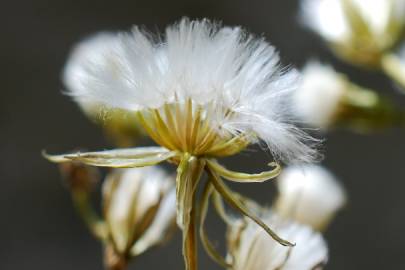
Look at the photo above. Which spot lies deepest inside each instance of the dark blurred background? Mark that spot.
(38, 226)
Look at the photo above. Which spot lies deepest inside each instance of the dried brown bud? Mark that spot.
(79, 177)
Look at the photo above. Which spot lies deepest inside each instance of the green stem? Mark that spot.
(83, 206)
(190, 243)
(220, 208)
(188, 176)
(365, 110)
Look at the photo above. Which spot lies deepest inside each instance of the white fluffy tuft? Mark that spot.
(201, 60)
(319, 95)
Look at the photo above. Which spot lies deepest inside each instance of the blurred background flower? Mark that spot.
(328, 99)
(250, 249)
(359, 31)
(120, 126)
(309, 195)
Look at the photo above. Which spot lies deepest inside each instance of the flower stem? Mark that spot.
(83, 206)
(190, 243)
(113, 261)
(188, 176)
(365, 111)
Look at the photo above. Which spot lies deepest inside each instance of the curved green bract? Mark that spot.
(234, 202)
(244, 177)
(208, 246)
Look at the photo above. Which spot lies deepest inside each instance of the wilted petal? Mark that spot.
(160, 228)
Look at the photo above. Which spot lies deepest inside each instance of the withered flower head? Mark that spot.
(139, 210)
(250, 249)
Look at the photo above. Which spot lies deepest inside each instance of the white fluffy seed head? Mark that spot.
(320, 94)
(130, 197)
(329, 19)
(309, 195)
(222, 67)
(252, 249)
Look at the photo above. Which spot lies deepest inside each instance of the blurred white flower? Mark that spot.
(309, 195)
(327, 18)
(120, 125)
(221, 81)
(75, 74)
(359, 30)
(250, 248)
(328, 99)
(139, 207)
(321, 92)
